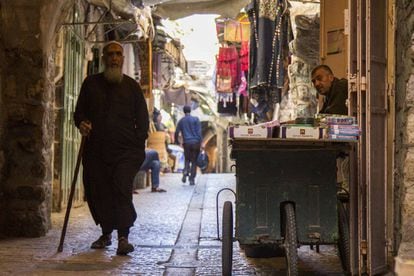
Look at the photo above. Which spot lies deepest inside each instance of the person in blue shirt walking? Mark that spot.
(190, 129)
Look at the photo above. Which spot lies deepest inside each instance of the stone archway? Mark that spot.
(27, 31)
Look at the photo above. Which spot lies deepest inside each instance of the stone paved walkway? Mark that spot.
(163, 244)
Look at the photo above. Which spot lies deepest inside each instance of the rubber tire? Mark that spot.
(290, 239)
(227, 239)
(343, 240)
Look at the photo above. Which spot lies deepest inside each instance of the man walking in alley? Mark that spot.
(190, 129)
(112, 114)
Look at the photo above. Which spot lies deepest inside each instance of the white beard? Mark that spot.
(113, 75)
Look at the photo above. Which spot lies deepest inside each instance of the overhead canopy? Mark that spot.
(174, 9)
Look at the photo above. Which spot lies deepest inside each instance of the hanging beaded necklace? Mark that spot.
(276, 37)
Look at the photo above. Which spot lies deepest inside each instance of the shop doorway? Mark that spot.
(367, 74)
(67, 136)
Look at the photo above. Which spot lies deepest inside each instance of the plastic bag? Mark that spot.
(202, 160)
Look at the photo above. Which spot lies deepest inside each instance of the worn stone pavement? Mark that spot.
(175, 234)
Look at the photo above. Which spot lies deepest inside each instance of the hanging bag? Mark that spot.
(202, 160)
(223, 81)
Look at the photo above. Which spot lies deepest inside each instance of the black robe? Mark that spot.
(115, 148)
(269, 39)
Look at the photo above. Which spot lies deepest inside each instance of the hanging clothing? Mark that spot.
(177, 96)
(269, 38)
(236, 31)
(129, 67)
(220, 29)
(227, 69)
(226, 104)
(244, 56)
(262, 101)
(242, 90)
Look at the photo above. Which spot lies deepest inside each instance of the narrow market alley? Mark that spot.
(305, 107)
(175, 234)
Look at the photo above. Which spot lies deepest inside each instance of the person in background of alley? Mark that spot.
(160, 126)
(190, 128)
(152, 162)
(335, 90)
(157, 119)
(112, 113)
(335, 102)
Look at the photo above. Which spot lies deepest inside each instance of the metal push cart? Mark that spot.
(286, 197)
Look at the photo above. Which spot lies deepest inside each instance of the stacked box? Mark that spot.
(254, 131)
(340, 120)
(301, 132)
(342, 128)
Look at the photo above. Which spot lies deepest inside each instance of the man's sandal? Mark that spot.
(102, 242)
(124, 247)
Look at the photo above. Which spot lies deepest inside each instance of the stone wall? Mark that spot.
(2, 57)
(27, 30)
(404, 161)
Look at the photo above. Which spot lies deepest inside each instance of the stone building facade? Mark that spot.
(404, 127)
(28, 30)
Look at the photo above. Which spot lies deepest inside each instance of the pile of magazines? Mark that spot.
(342, 128)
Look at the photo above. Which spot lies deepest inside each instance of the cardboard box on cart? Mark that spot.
(302, 132)
(255, 131)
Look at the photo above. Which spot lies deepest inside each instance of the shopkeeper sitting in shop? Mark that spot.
(336, 94)
(335, 90)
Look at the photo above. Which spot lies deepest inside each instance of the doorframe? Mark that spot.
(372, 229)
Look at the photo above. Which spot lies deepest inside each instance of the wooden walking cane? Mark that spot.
(72, 192)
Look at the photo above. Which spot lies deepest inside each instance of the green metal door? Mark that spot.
(70, 137)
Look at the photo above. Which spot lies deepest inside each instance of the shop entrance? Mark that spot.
(367, 75)
(354, 43)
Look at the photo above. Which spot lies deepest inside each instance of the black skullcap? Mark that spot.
(187, 109)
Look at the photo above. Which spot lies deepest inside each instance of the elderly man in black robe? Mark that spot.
(112, 113)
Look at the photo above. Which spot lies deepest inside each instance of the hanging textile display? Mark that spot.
(270, 36)
(269, 51)
(232, 65)
(306, 43)
(220, 23)
(244, 71)
(227, 79)
(227, 70)
(178, 96)
(243, 94)
(237, 30)
(301, 100)
(244, 56)
(227, 104)
(128, 67)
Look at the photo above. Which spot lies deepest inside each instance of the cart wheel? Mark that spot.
(227, 239)
(291, 241)
(343, 241)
